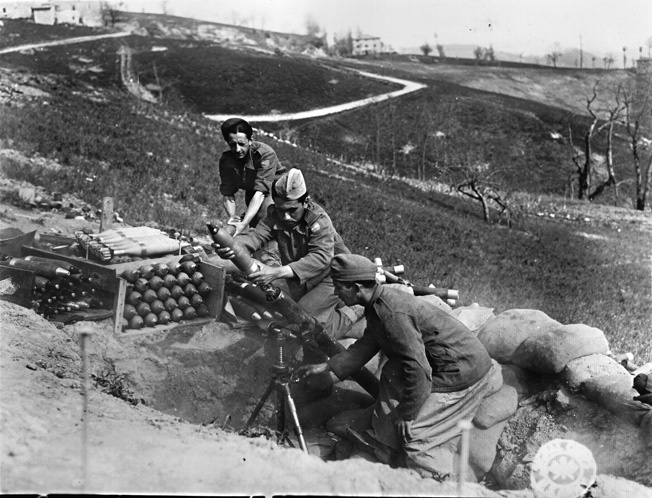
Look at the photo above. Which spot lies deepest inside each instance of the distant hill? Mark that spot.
(569, 58)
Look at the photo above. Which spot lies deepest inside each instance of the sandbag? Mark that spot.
(646, 428)
(525, 383)
(436, 302)
(502, 334)
(615, 393)
(594, 365)
(483, 448)
(496, 408)
(473, 316)
(550, 350)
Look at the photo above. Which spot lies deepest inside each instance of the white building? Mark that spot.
(367, 44)
(86, 12)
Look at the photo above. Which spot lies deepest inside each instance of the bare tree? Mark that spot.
(624, 57)
(584, 162)
(111, 13)
(478, 54)
(489, 54)
(554, 55)
(638, 107)
(479, 184)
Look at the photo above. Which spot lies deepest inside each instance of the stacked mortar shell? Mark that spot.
(161, 293)
(52, 296)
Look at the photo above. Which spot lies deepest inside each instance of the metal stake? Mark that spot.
(465, 426)
(86, 387)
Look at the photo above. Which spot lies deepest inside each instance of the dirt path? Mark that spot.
(67, 41)
(409, 87)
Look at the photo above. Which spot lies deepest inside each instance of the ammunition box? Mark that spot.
(111, 289)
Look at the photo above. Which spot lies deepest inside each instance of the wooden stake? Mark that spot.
(106, 220)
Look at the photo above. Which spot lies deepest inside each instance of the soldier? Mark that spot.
(307, 241)
(250, 166)
(437, 371)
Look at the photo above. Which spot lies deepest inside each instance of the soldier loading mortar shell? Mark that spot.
(307, 241)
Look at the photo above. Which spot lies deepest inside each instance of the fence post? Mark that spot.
(106, 220)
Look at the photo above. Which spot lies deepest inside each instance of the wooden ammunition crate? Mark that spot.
(16, 285)
(112, 289)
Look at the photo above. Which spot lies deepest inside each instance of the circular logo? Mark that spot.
(562, 468)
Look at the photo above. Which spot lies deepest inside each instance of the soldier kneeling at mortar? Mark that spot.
(437, 372)
(307, 241)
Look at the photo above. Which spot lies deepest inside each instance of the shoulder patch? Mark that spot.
(315, 227)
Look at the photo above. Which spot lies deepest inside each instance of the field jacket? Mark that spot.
(308, 248)
(255, 174)
(430, 350)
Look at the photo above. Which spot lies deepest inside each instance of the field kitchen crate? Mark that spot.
(112, 288)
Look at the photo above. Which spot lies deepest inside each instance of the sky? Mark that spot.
(525, 27)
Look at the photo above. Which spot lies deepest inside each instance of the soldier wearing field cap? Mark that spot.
(307, 241)
(436, 373)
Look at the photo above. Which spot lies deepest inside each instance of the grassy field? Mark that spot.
(158, 163)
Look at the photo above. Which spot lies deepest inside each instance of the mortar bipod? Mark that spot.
(279, 381)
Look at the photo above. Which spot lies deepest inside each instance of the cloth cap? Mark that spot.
(352, 268)
(291, 185)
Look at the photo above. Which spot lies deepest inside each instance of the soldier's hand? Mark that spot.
(265, 274)
(223, 252)
(239, 225)
(404, 428)
(306, 370)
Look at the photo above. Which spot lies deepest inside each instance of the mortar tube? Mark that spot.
(248, 291)
(242, 260)
(313, 330)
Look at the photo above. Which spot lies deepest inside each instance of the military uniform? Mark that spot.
(261, 167)
(308, 249)
(437, 373)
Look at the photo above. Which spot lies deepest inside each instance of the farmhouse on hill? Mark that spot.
(367, 44)
(86, 12)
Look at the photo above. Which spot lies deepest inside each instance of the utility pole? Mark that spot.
(581, 54)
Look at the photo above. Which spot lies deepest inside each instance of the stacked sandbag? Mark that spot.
(504, 333)
(500, 403)
(646, 428)
(605, 381)
(549, 351)
(473, 316)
